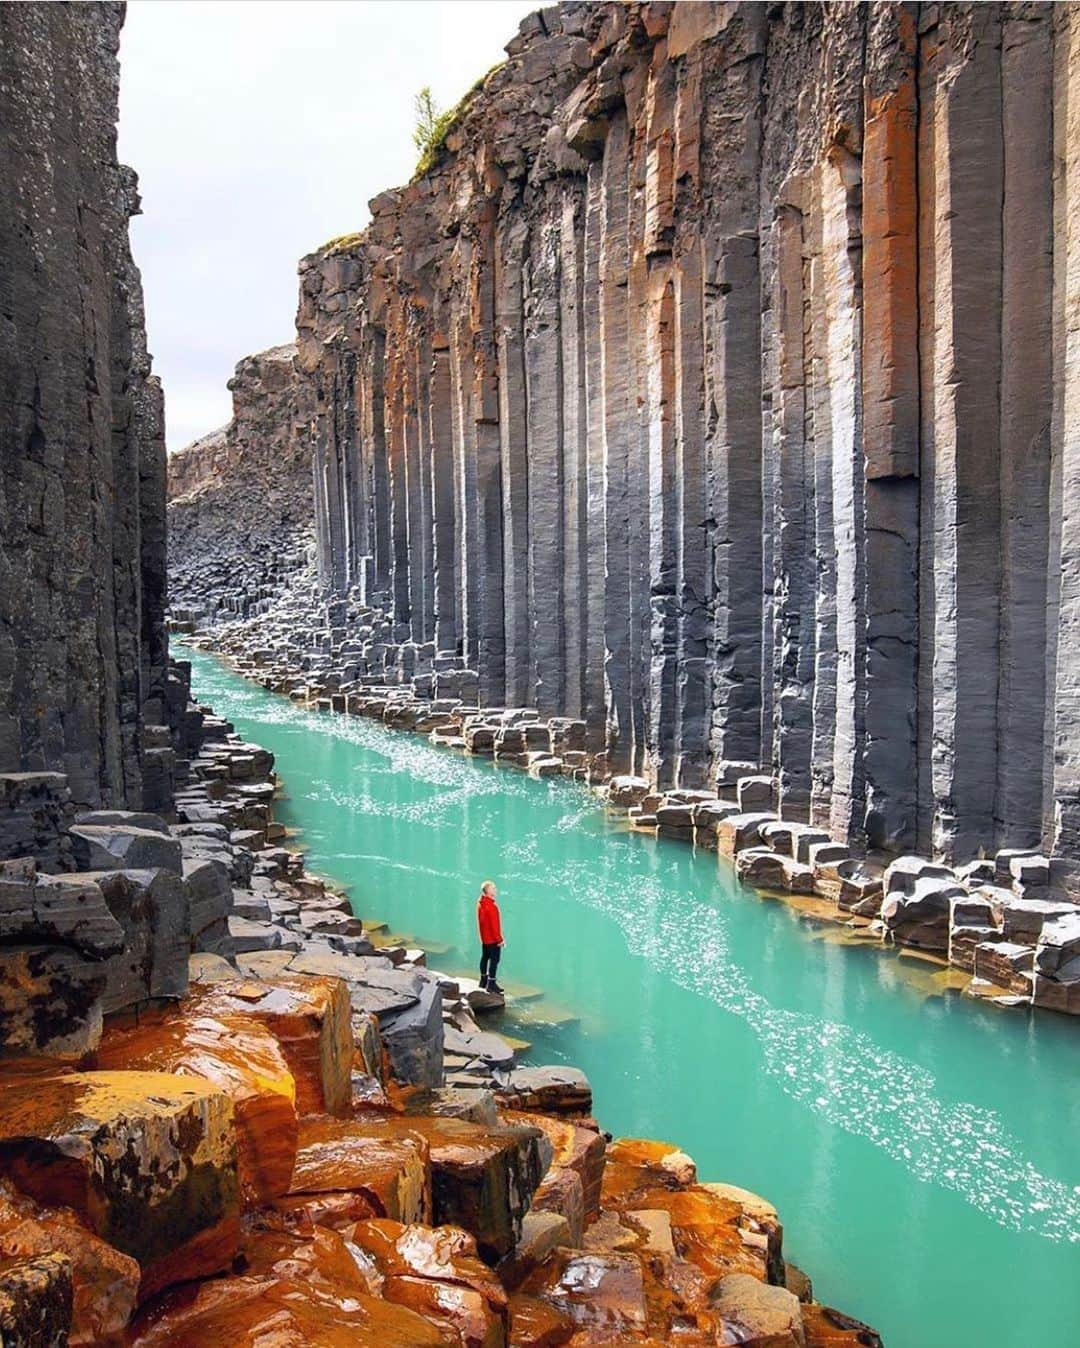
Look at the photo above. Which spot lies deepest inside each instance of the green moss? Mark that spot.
(342, 244)
(433, 126)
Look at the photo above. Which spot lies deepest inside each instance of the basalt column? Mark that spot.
(719, 372)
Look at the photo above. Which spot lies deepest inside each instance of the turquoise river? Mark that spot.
(923, 1150)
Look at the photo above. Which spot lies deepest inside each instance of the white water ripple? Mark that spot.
(841, 1074)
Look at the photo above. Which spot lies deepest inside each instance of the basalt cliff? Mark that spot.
(716, 387)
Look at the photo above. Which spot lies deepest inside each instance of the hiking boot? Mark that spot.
(494, 987)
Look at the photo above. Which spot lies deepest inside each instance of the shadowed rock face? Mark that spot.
(240, 500)
(82, 497)
(708, 388)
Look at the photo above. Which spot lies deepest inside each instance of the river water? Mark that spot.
(923, 1151)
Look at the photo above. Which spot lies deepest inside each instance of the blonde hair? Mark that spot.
(487, 886)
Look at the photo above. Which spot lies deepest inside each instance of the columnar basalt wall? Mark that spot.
(240, 504)
(717, 386)
(82, 494)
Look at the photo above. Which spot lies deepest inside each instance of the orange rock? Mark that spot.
(637, 1162)
(827, 1328)
(535, 1324)
(436, 1273)
(314, 1256)
(310, 1018)
(720, 1228)
(388, 1165)
(483, 1178)
(280, 1313)
(582, 1150)
(146, 1159)
(35, 1301)
(105, 1282)
(334, 1210)
(239, 1056)
(596, 1292)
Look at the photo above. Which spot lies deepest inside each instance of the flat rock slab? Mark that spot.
(489, 1048)
(68, 910)
(149, 1162)
(285, 1310)
(550, 1090)
(311, 1020)
(115, 847)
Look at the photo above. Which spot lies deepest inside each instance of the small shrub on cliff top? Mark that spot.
(432, 126)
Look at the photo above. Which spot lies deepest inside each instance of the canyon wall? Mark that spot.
(82, 495)
(240, 505)
(717, 386)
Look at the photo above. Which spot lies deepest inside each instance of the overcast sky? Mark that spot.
(260, 129)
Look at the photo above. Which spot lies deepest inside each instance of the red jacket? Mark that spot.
(487, 918)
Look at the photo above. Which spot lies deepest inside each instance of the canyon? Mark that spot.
(698, 423)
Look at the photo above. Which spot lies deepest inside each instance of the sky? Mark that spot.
(259, 130)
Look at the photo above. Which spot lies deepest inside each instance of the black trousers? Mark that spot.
(489, 962)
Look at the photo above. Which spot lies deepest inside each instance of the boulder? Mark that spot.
(759, 1313)
(767, 869)
(549, 1090)
(740, 830)
(105, 1283)
(124, 847)
(919, 916)
(66, 910)
(1059, 944)
(902, 874)
(310, 1018)
(239, 1056)
(482, 1178)
(384, 1160)
(1007, 965)
(152, 909)
(146, 1159)
(35, 1301)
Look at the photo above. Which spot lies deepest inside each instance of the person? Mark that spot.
(491, 937)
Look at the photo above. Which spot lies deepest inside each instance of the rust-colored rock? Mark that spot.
(310, 1018)
(719, 1228)
(239, 1056)
(105, 1283)
(574, 1148)
(35, 1301)
(482, 1178)
(828, 1328)
(387, 1165)
(437, 1273)
(281, 1313)
(146, 1159)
